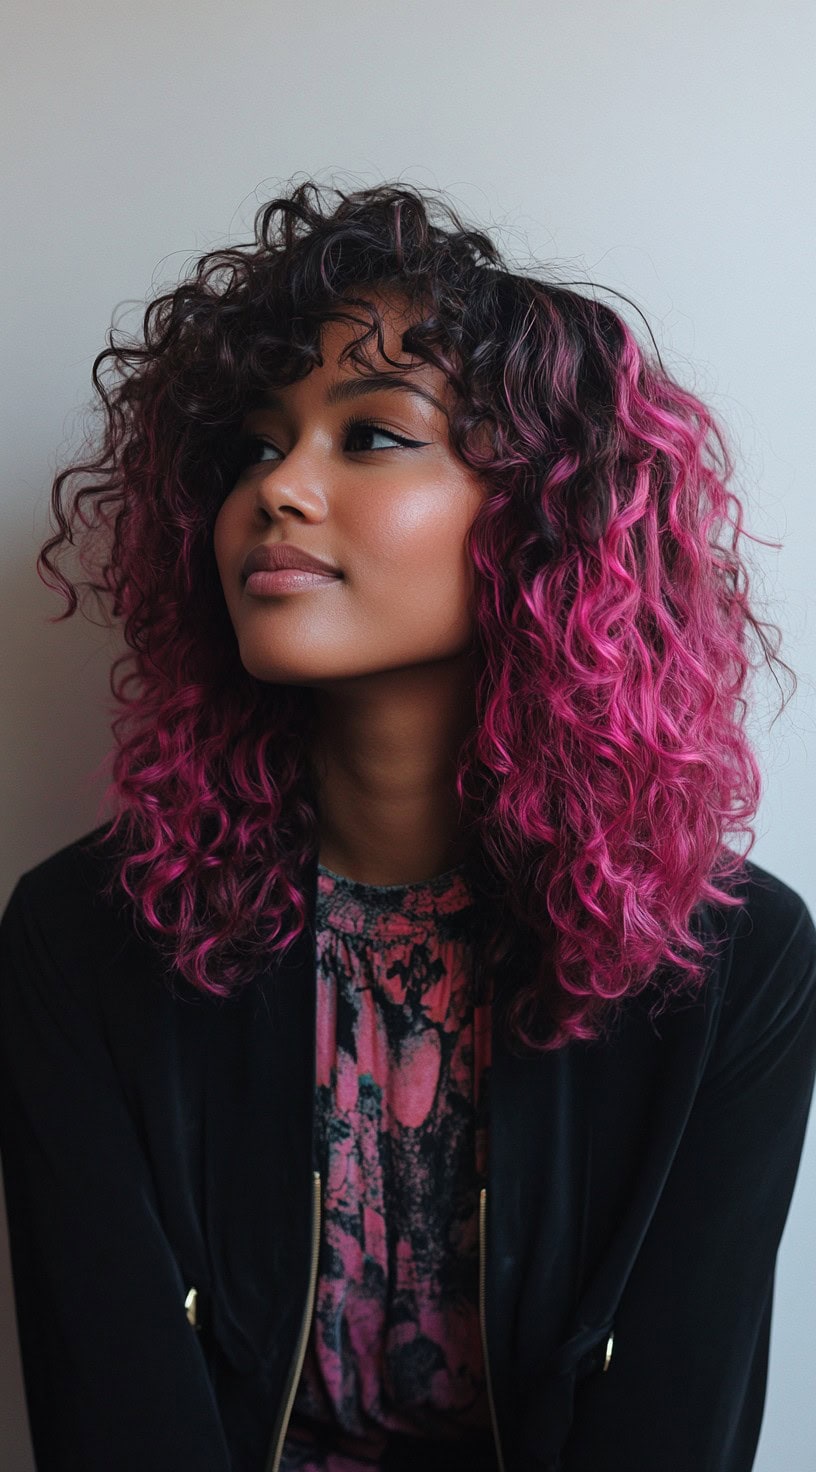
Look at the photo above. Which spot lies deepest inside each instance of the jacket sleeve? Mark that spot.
(684, 1390)
(114, 1375)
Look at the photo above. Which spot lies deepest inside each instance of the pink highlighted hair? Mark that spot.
(608, 764)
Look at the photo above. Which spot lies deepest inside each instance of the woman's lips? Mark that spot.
(287, 580)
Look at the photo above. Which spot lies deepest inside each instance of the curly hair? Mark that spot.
(608, 762)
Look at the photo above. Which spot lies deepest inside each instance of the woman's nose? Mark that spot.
(301, 483)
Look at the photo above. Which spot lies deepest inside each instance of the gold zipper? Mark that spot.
(483, 1322)
(296, 1366)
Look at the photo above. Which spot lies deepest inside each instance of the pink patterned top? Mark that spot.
(401, 1120)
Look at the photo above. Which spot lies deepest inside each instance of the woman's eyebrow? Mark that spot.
(357, 387)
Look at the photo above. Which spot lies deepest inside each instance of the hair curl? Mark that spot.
(608, 761)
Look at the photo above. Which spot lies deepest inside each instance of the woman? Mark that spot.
(409, 1074)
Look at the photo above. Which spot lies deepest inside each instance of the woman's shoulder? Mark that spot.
(90, 848)
(769, 972)
(63, 899)
(774, 919)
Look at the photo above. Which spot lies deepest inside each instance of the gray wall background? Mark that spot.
(664, 150)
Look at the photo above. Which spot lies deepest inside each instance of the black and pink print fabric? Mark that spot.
(403, 1058)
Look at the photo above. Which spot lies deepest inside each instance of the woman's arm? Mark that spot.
(685, 1388)
(115, 1378)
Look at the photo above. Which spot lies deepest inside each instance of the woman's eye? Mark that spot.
(359, 430)
(254, 448)
(246, 450)
(357, 436)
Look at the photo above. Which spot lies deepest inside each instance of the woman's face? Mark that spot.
(390, 517)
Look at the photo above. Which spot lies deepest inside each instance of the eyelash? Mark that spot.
(354, 421)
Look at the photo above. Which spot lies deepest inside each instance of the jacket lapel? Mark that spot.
(258, 1126)
(581, 1142)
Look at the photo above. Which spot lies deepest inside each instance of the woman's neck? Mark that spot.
(385, 763)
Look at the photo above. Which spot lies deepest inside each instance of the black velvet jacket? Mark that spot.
(164, 1202)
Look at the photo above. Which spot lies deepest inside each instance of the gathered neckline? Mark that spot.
(437, 882)
(391, 908)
